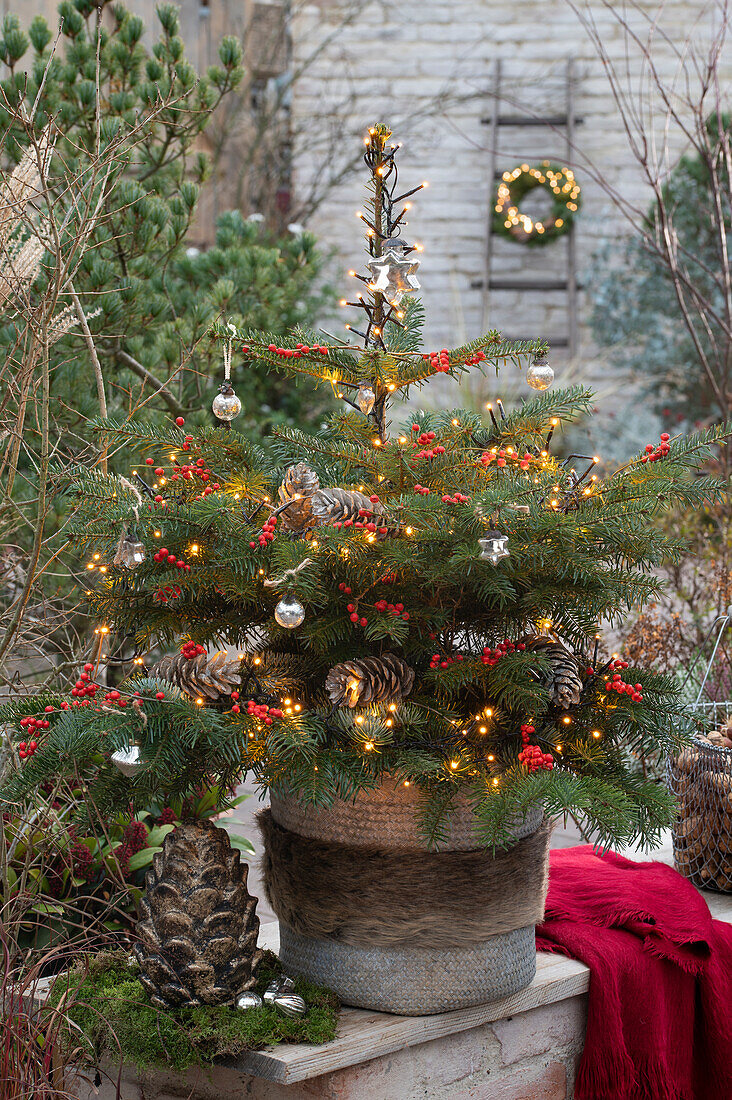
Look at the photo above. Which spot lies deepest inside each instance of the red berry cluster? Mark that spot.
(167, 816)
(422, 489)
(354, 615)
(81, 860)
(115, 699)
(635, 691)
(297, 351)
(425, 441)
(491, 657)
(531, 755)
(83, 685)
(267, 532)
(438, 360)
(26, 749)
(502, 456)
(458, 498)
(30, 725)
(165, 555)
(477, 357)
(654, 453)
(438, 661)
(192, 649)
(186, 444)
(394, 609)
(345, 588)
(135, 836)
(263, 712)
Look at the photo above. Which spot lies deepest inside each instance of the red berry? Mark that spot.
(363, 622)
(159, 694)
(150, 461)
(180, 421)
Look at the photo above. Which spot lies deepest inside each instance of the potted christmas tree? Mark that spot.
(418, 676)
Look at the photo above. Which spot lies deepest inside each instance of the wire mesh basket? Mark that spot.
(701, 778)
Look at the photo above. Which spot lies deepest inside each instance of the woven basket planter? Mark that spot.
(701, 778)
(368, 909)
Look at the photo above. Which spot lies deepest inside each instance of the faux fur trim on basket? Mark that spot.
(368, 896)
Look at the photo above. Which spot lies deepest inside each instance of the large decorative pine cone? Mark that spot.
(565, 682)
(198, 927)
(338, 505)
(299, 481)
(356, 683)
(211, 678)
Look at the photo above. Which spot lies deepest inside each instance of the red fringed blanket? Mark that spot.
(659, 1023)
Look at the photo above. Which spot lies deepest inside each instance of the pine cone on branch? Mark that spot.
(369, 680)
(338, 505)
(299, 484)
(211, 678)
(198, 929)
(564, 682)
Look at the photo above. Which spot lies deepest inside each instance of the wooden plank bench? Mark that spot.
(524, 1047)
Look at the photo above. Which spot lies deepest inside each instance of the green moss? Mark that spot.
(106, 1002)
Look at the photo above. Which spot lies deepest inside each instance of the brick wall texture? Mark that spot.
(426, 68)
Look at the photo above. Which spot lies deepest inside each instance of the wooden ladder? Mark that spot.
(491, 283)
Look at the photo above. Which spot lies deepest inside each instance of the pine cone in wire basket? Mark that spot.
(369, 680)
(198, 929)
(338, 505)
(564, 682)
(299, 482)
(211, 678)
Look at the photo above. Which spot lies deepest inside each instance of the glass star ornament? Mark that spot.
(494, 547)
(394, 273)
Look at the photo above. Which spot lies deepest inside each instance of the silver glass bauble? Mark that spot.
(128, 759)
(277, 987)
(250, 999)
(290, 1004)
(289, 612)
(226, 405)
(365, 398)
(540, 375)
(494, 547)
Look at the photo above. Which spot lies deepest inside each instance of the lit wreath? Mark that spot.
(508, 220)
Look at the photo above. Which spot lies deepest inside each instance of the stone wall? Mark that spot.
(426, 68)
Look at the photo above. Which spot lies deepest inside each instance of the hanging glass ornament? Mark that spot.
(540, 375)
(128, 759)
(131, 551)
(226, 405)
(494, 547)
(250, 999)
(289, 612)
(394, 273)
(365, 398)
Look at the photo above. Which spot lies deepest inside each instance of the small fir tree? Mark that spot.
(422, 603)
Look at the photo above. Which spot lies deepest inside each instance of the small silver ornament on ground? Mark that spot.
(127, 760)
(289, 612)
(276, 987)
(250, 999)
(290, 1004)
(494, 547)
(540, 375)
(226, 405)
(365, 398)
(280, 993)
